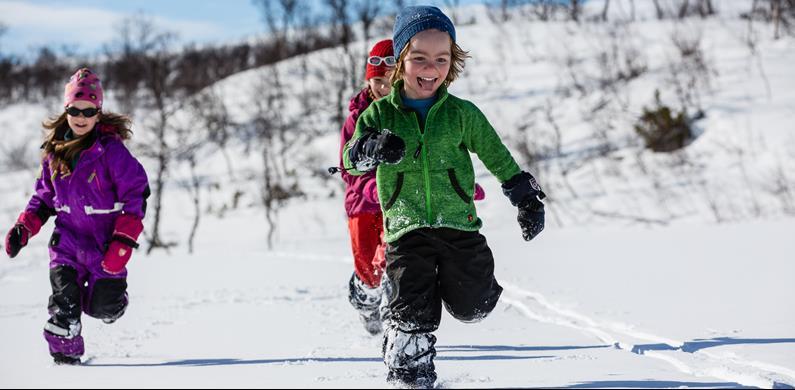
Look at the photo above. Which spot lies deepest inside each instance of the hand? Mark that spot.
(16, 239)
(116, 257)
(125, 233)
(28, 225)
(521, 187)
(374, 148)
(480, 193)
(531, 218)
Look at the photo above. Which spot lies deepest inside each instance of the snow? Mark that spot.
(638, 281)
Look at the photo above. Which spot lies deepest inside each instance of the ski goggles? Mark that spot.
(376, 61)
(87, 112)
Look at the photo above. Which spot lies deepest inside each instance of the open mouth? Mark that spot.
(427, 83)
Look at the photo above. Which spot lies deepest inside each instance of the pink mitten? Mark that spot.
(480, 194)
(125, 236)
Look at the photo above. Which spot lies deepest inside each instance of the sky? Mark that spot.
(85, 25)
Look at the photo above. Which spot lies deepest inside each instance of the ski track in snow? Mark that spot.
(622, 337)
(537, 307)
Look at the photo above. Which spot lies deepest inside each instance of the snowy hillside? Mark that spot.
(656, 270)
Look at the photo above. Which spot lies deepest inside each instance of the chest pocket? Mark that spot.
(100, 195)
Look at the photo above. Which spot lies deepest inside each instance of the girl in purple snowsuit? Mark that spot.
(97, 192)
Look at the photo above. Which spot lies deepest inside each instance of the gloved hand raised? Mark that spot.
(525, 193)
(374, 148)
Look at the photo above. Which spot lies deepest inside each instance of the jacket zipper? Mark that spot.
(425, 169)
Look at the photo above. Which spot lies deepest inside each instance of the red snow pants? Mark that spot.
(367, 242)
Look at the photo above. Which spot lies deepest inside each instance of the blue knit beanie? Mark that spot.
(415, 19)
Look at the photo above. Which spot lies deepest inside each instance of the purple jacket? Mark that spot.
(106, 182)
(361, 195)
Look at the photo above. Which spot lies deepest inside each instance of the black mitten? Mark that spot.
(525, 193)
(522, 186)
(16, 239)
(373, 148)
(531, 218)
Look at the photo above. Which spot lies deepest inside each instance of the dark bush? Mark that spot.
(663, 130)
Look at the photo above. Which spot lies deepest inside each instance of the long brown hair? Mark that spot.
(63, 151)
(458, 58)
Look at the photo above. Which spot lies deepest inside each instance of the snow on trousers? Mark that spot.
(107, 182)
(75, 289)
(428, 268)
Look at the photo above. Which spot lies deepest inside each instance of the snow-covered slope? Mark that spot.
(633, 284)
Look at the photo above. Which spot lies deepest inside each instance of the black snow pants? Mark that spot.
(430, 267)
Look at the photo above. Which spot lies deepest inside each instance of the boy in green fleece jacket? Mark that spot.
(419, 140)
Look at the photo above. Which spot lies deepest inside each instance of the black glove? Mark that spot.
(525, 193)
(374, 148)
(16, 239)
(531, 218)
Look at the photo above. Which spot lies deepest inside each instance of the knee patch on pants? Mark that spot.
(474, 309)
(66, 295)
(108, 298)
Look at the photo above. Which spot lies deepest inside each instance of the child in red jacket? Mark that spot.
(365, 221)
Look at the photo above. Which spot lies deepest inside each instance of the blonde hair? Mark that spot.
(458, 57)
(64, 151)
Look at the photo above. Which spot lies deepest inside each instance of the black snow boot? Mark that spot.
(367, 301)
(409, 358)
(65, 360)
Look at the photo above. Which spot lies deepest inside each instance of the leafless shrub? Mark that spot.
(17, 156)
(781, 186)
(781, 13)
(681, 9)
(690, 73)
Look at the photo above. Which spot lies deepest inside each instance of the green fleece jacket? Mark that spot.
(434, 184)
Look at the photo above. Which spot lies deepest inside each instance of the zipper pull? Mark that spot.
(419, 149)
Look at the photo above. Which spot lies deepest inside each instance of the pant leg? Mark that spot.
(106, 298)
(467, 284)
(63, 330)
(414, 309)
(365, 231)
(379, 258)
(414, 300)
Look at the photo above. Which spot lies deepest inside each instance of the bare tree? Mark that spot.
(280, 17)
(349, 77)
(574, 6)
(276, 133)
(366, 12)
(144, 66)
(604, 10)
(660, 13)
(205, 131)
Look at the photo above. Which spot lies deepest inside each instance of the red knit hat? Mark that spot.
(381, 49)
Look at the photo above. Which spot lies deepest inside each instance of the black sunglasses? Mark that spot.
(87, 112)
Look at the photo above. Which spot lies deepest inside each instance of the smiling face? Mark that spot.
(81, 125)
(379, 86)
(426, 64)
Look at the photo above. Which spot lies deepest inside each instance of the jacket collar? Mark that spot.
(396, 99)
(102, 134)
